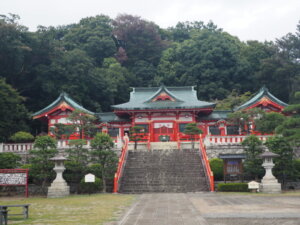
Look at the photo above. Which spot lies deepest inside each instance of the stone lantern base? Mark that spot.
(270, 186)
(58, 189)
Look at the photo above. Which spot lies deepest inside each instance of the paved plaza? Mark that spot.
(212, 208)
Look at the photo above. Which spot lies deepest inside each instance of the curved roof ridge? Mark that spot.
(263, 91)
(62, 97)
(161, 89)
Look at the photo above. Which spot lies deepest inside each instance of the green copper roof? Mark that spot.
(263, 92)
(63, 97)
(185, 97)
(111, 117)
(216, 115)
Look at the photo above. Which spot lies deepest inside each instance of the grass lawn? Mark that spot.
(76, 209)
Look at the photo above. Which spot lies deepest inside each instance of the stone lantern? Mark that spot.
(269, 183)
(59, 187)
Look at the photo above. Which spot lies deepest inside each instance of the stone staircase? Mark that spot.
(163, 171)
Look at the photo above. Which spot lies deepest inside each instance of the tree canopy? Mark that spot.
(97, 59)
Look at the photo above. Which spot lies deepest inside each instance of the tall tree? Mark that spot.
(268, 122)
(103, 154)
(253, 163)
(210, 59)
(284, 168)
(290, 128)
(13, 114)
(192, 130)
(142, 40)
(83, 124)
(41, 165)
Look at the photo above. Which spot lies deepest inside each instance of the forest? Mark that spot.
(97, 60)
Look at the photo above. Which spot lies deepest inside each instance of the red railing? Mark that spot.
(149, 142)
(209, 174)
(121, 164)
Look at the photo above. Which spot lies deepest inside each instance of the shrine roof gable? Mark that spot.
(62, 101)
(163, 97)
(262, 95)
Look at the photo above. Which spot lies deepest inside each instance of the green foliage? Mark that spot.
(135, 134)
(74, 172)
(82, 123)
(244, 119)
(192, 130)
(253, 163)
(97, 68)
(268, 122)
(91, 187)
(9, 160)
(296, 164)
(233, 100)
(233, 187)
(142, 40)
(61, 131)
(31, 175)
(290, 128)
(95, 169)
(78, 159)
(103, 154)
(13, 113)
(284, 168)
(216, 166)
(41, 165)
(22, 136)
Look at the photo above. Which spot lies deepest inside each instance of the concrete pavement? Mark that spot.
(212, 208)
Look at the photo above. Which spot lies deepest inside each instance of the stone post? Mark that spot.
(269, 183)
(59, 187)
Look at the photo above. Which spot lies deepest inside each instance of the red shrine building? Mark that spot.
(162, 112)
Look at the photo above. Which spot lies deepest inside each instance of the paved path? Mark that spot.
(212, 209)
(163, 209)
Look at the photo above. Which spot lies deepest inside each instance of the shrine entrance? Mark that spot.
(163, 131)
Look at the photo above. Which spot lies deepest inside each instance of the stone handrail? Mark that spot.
(16, 147)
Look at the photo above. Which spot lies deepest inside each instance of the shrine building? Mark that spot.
(162, 112)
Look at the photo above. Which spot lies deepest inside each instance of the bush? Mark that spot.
(9, 160)
(216, 166)
(90, 187)
(233, 187)
(296, 163)
(22, 136)
(95, 169)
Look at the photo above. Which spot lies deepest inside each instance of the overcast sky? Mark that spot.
(247, 19)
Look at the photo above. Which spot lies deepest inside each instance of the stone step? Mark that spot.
(163, 171)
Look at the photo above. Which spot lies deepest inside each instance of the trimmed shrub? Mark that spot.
(233, 187)
(9, 160)
(22, 136)
(89, 188)
(216, 166)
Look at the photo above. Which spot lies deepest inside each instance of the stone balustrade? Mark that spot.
(16, 147)
(63, 144)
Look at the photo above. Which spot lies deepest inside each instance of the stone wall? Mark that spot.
(214, 150)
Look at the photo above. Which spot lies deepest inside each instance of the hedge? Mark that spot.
(233, 187)
(216, 166)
